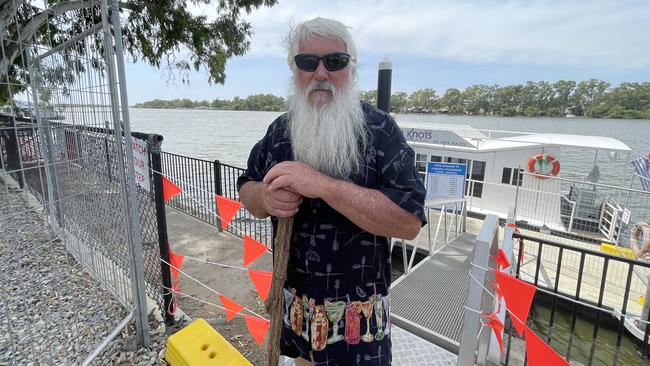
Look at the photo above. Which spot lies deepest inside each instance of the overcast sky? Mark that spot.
(438, 44)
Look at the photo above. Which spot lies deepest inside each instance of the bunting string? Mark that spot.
(202, 204)
(207, 287)
(215, 263)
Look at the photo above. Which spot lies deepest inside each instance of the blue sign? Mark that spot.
(445, 181)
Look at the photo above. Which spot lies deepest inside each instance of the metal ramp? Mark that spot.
(429, 302)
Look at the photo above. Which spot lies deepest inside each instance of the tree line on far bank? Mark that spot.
(592, 98)
(257, 102)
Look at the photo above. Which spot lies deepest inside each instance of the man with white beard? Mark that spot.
(343, 170)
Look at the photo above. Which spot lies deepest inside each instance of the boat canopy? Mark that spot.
(464, 137)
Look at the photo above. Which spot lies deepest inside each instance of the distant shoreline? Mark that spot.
(400, 113)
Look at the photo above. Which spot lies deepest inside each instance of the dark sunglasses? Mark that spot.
(333, 61)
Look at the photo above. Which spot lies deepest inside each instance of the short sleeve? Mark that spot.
(399, 179)
(255, 167)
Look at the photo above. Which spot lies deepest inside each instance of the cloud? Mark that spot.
(594, 34)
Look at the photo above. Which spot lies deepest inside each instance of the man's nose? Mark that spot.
(321, 73)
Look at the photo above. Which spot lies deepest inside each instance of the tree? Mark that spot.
(153, 31)
(564, 95)
(423, 100)
(453, 101)
(398, 101)
(370, 96)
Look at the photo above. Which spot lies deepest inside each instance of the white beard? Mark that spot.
(329, 138)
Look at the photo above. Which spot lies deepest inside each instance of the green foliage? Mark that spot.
(163, 33)
(257, 102)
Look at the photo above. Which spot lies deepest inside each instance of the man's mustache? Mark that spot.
(320, 86)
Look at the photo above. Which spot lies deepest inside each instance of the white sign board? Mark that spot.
(445, 181)
(141, 163)
(435, 137)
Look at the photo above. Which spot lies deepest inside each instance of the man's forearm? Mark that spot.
(371, 210)
(249, 195)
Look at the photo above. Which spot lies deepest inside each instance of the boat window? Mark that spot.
(456, 160)
(510, 176)
(505, 177)
(421, 165)
(436, 158)
(477, 177)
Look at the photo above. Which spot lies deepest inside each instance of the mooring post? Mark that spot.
(383, 84)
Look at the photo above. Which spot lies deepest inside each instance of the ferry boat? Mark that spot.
(524, 170)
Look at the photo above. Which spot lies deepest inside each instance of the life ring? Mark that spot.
(640, 228)
(539, 164)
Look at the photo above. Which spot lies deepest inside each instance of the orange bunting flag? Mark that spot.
(176, 260)
(514, 227)
(539, 353)
(501, 259)
(227, 209)
(252, 250)
(519, 295)
(497, 326)
(232, 308)
(169, 189)
(262, 282)
(258, 327)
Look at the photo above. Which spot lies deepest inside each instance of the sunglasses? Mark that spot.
(333, 61)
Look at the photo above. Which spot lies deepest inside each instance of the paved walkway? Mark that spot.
(196, 238)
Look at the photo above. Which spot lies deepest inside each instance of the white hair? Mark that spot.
(323, 27)
(330, 138)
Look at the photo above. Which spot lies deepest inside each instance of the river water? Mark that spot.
(229, 135)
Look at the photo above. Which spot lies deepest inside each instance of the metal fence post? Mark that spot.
(476, 299)
(126, 171)
(217, 188)
(163, 241)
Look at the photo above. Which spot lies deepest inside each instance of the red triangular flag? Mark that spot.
(176, 260)
(539, 353)
(497, 326)
(227, 209)
(501, 259)
(232, 308)
(252, 250)
(257, 327)
(169, 189)
(262, 282)
(514, 227)
(519, 296)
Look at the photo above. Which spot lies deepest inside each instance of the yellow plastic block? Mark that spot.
(199, 344)
(619, 251)
(641, 300)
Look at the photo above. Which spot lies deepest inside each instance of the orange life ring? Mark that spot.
(539, 164)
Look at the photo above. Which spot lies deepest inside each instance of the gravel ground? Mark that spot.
(51, 310)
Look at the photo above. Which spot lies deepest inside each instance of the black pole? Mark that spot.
(217, 187)
(163, 240)
(383, 85)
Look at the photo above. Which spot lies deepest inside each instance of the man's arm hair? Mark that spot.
(249, 195)
(371, 210)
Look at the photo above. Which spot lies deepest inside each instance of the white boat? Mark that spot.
(506, 169)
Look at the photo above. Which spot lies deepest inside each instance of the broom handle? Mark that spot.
(276, 298)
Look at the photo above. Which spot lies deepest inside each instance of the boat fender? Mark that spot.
(536, 165)
(640, 228)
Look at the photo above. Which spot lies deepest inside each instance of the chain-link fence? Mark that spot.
(68, 187)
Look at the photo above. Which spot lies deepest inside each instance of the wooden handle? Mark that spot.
(274, 304)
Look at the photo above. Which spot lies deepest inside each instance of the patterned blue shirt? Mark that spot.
(336, 295)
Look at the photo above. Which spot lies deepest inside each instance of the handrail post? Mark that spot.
(217, 188)
(163, 241)
(473, 349)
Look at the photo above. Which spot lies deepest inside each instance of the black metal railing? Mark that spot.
(200, 180)
(584, 311)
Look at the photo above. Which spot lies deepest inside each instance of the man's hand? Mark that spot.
(279, 202)
(297, 177)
